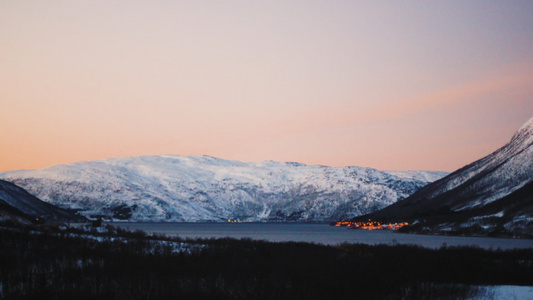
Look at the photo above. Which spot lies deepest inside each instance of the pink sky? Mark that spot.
(403, 85)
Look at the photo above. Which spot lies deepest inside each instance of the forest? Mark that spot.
(58, 262)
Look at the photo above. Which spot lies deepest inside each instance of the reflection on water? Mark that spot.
(317, 233)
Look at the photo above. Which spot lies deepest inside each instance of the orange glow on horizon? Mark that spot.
(323, 83)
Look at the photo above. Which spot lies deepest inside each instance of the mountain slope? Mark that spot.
(16, 202)
(10, 214)
(491, 195)
(204, 188)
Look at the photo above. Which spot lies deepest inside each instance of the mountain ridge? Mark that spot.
(206, 188)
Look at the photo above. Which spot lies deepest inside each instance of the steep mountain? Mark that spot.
(17, 203)
(493, 195)
(204, 188)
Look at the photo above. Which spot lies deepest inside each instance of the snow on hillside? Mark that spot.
(500, 173)
(492, 195)
(427, 176)
(205, 188)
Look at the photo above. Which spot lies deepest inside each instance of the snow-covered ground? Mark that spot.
(506, 292)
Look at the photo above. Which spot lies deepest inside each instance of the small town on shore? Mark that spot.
(371, 225)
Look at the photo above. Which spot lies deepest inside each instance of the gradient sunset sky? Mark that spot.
(393, 85)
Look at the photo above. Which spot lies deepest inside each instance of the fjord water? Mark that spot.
(317, 233)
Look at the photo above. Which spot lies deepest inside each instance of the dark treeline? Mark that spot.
(54, 264)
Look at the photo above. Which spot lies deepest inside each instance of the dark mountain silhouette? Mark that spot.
(17, 203)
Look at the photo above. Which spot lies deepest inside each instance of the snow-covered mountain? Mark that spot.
(17, 204)
(493, 194)
(204, 188)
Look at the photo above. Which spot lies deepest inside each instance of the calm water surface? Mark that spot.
(317, 233)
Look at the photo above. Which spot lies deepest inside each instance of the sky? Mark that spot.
(392, 85)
